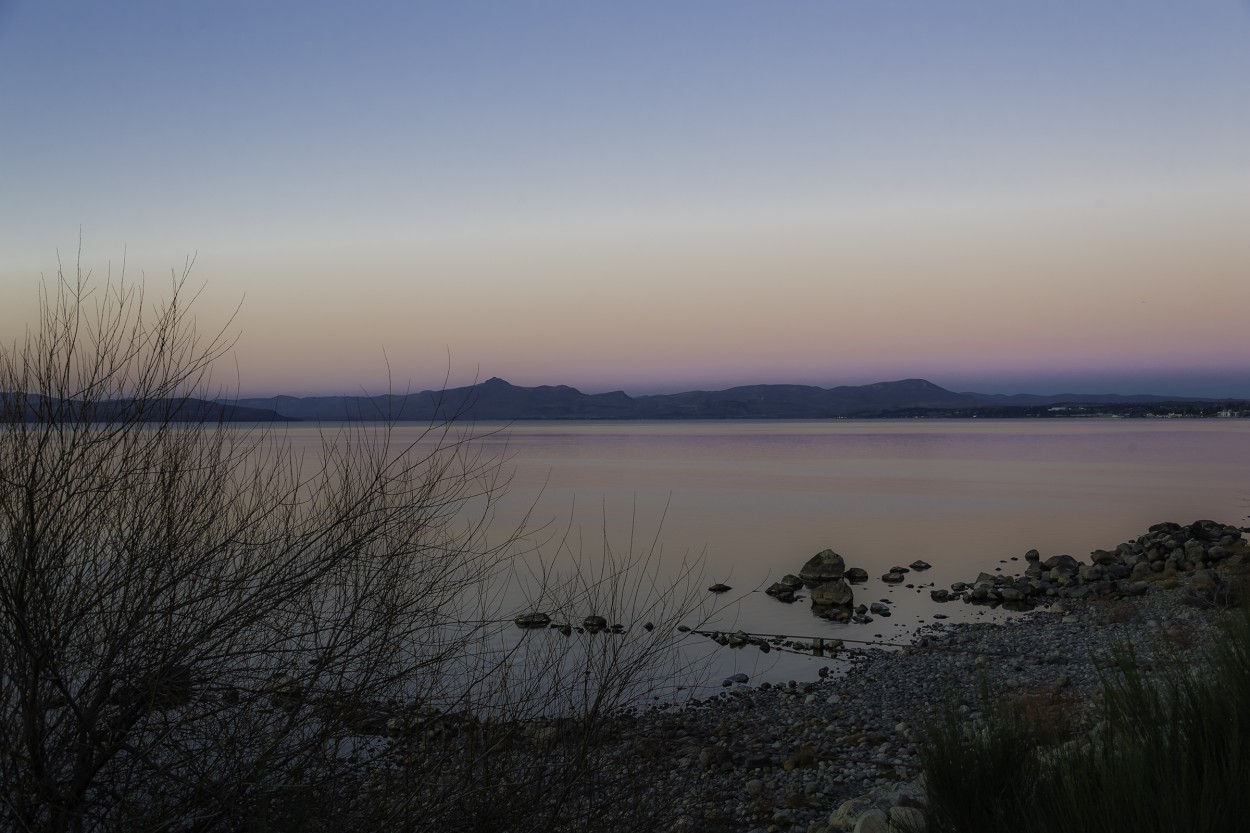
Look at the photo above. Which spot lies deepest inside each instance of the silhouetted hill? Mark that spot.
(801, 401)
(496, 399)
(32, 407)
(493, 399)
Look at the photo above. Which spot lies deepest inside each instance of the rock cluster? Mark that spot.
(829, 582)
(841, 752)
(1164, 552)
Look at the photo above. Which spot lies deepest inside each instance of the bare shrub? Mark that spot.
(202, 630)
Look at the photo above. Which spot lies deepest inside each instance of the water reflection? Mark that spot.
(759, 498)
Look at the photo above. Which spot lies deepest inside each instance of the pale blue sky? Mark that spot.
(652, 196)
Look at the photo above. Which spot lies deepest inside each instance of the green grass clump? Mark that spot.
(1171, 753)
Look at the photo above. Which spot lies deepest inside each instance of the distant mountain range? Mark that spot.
(496, 399)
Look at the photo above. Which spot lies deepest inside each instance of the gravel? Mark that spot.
(785, 757)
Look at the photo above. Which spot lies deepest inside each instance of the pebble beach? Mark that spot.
(819, 755)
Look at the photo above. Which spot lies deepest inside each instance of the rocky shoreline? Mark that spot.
(819, 755)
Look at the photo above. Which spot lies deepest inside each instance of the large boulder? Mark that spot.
(1062, 564)
(835, 593)
(1102, 557)
(824, 566)
(873, 821)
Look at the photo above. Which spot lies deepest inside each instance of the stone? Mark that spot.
(872, 821)
(719, 588)
(1118, 571)
(594, 624)
(849, 811)
(823, 567)
(780, 592)
(909, 819)
(532, 620)
(833, 593)
(857, 575)
(893, 578)
(1065, 564)
(918, 564)
(1102, 557)
(1090, 572)
(715, 757)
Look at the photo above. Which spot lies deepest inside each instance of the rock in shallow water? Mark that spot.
(532, 620)
(833, 593)
(824, 566)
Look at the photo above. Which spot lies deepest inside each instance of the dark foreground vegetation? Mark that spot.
(202, 629)
(1167, 748)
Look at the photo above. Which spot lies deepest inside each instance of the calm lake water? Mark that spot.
(759, 498)
(756, 499)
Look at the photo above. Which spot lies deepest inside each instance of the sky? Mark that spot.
(650, 195)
